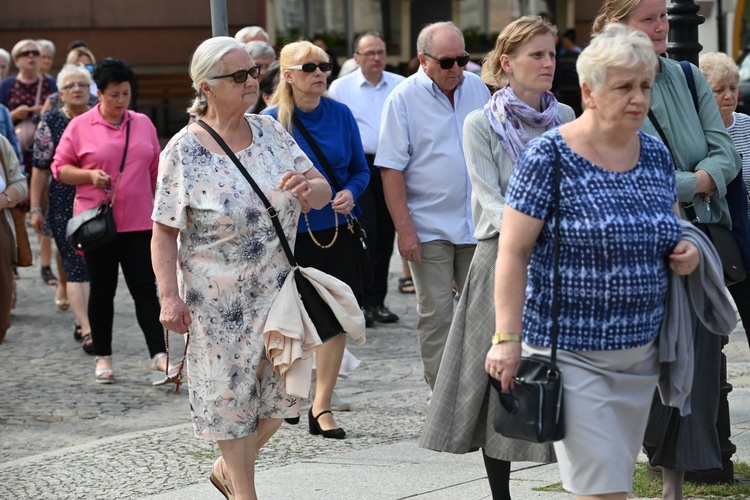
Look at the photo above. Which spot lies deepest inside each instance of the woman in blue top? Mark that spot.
(618, 236)
(325, 239)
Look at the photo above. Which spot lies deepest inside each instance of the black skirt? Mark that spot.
(340, 260)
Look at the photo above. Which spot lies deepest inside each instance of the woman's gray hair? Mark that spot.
(717, 65)
(616, 46)
(45, 45)
(206, 62)
(4, 55)
(72, 70)
(424, 40)
(251, 32)
(258, 49)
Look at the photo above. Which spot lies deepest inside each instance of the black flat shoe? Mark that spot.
(315, 429)
(88, 344)
(77, 333)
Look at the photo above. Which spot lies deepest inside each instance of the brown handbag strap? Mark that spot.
(39, 90)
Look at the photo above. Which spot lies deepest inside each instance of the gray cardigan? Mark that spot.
(703, 291)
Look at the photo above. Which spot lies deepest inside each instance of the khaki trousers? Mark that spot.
(442, 263)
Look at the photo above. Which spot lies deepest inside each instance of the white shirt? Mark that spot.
(366, 101)
(421, 135)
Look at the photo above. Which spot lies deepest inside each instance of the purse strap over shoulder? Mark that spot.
(269, 208)
(122, 163)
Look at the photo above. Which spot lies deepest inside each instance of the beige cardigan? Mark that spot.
(15, 178)
(291, 338)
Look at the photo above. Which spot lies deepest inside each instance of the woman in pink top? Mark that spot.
(89, 156)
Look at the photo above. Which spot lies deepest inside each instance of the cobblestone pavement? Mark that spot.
(64, 436)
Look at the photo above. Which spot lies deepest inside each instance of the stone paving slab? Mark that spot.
(64, 436)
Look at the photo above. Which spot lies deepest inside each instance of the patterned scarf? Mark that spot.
(506, 111)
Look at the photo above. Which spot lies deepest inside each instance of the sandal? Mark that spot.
(88, 344)
(219, 481)
(158, 377)
(62, 304)
(77, 333)
(47, 275)
(104, 375)
(406, 285)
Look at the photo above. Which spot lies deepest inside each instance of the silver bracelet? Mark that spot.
(35, 210)
(7, 198)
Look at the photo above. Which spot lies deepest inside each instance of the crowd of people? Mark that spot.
(505, 192)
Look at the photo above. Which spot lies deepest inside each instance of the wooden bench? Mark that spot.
(164, 97)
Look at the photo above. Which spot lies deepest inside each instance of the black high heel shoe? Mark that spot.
(315, 429)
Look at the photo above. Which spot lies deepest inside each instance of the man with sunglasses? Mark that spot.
(365, 91)
(425, 179)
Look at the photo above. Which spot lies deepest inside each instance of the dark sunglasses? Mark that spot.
(448, 62)
(26, 53)
(241, 75)
(310, 67)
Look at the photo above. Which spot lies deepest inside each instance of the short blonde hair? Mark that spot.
(717, 65)
(617, 46)
(509, 42)
(206, 62)
(76, 54)
(20, 45)
(291, 55)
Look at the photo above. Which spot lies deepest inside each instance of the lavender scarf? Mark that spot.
(505, 112)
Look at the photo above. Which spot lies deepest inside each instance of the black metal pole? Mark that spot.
(219, 23)
(683, 46)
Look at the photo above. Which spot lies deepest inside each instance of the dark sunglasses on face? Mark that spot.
(310, 67)
(26, 53)
(241, 75)
(448, 62)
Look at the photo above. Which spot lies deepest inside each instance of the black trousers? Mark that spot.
(132, 251)
(741, 295)
(377, 223)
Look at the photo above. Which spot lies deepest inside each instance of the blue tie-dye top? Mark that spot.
(616, 232)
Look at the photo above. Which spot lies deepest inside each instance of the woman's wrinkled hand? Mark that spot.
(343, 202)
(502, 363)
(175, 315)
(684, 258)
(99, 178)
(297, 183)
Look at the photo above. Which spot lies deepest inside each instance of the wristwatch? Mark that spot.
(505, 337)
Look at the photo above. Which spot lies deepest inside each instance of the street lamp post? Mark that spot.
(219, 22)
(683, 46)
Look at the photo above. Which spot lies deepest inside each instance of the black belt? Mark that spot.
(370, 158)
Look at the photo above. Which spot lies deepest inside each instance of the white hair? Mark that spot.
(4, 55)
(46, 45)
(72, 70)
(256, 49)
(204, 63)
(250, 32)
(616, 46)
(424, 40)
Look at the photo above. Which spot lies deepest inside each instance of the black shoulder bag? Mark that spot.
(533, 409)
(326, 323)
(96, 227)
(721, 237)
(353, 223)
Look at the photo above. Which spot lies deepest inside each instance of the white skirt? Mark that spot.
(607, 397)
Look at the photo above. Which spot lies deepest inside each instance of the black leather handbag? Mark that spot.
(95, 227)
(321, 315)
(533, 409)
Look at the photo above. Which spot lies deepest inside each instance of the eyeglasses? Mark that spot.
(241, 75)
(448, 62)
(74, 85)
(379, 53)
(26, 53)
(311, 67)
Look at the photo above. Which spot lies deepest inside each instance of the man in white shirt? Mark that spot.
(425, 179)
(365, 90)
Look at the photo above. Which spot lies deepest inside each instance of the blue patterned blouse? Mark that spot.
(616, 232)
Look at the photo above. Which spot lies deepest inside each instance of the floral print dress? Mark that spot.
(230, 269)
